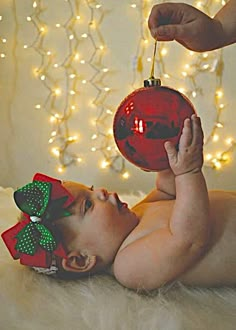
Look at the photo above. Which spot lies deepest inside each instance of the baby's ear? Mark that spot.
(78, 262)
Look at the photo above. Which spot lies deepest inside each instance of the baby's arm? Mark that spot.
(164, 254)
(191, 209)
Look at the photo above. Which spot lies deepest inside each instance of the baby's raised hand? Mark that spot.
(189, 156)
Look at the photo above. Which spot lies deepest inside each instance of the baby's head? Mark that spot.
(68, 229)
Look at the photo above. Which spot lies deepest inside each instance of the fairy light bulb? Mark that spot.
(208, 156)
(221, 106)
(55, 152)
(125, 175)
(42, 29)
(229, 141)
(164, 51)
(72, 138)
(215, 138)
(76, 57)
(217, 165)
(199, 4)
(181, 90)
(94, 137)
(219, 93)
(61, 169)
(57, 91)
(104, 164)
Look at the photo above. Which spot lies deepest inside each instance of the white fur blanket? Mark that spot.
(34, 302)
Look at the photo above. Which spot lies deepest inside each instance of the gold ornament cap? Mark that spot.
(150, 82)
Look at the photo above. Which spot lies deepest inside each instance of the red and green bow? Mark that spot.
(32, 240)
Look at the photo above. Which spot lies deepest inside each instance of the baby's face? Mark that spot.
(99, 222)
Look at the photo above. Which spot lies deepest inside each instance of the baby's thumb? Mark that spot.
(171, 151)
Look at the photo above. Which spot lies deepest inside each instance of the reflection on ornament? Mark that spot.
(146, 119)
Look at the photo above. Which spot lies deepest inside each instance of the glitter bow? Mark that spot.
(33, 240)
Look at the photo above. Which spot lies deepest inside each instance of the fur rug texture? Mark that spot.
(30, 301)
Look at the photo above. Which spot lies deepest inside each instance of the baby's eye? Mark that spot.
(87, 205)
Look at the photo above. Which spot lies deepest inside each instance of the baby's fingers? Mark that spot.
(197, 130)
(186, 136)
(171, 152)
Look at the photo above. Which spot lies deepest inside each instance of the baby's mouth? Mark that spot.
(120, 205)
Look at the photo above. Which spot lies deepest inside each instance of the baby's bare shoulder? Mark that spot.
(154, 260)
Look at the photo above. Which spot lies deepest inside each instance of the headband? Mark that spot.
(33, 240)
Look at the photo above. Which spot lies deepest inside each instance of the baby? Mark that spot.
(179, 231)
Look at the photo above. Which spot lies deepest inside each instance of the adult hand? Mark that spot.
(187, 25)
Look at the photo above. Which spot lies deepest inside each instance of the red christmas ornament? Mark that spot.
(146, 119)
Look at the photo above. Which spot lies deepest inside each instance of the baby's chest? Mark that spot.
(153, 216)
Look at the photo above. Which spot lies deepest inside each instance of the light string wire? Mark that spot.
(200, 63)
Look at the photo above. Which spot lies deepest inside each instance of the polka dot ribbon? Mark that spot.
(32, 240)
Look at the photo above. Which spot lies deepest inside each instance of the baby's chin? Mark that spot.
(133, 218)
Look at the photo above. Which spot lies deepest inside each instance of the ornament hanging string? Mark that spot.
(153, 61)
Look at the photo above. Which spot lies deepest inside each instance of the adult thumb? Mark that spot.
(166, 32)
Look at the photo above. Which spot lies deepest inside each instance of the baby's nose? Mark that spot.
(102, 193)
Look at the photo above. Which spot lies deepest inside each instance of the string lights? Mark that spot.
(79, 36)
(198, 64)
(64, 78)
